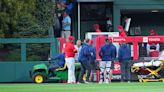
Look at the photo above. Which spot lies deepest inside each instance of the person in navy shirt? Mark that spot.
(92, 50)
(108, 54)
(60, 60)
(92, 59)
(57, 61)
(124, 56)
(83, 58)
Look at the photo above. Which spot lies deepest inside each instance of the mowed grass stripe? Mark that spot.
(113, 87)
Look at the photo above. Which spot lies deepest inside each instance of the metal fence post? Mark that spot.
(53, 47)
(23, 52)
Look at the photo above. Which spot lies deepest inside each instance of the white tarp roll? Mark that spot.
(127, 25)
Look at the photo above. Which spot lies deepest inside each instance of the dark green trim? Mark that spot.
(26, 40)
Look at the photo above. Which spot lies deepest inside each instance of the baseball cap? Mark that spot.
(119, 27)
(90, 41)
(71, 38)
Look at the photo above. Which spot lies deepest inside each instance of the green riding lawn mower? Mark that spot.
(41, 73)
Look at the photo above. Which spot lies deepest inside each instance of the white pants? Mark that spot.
(65, 34)
(105, 70)
(70, 62)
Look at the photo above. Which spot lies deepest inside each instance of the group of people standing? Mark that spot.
(63, 17)
(85, 53)
(108, 55)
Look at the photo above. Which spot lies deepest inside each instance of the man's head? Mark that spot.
(71, 38)
(152, 32)
(91, 42)
(65, 14)
(78, 42)
(120, 28)
(96, 26)
(108, 40)
(86, 41)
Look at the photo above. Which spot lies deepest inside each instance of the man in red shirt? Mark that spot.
(97, 27)
(69, 59)
(152, 45)
(153, 33)
(121, 30)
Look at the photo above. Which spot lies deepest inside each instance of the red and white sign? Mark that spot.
(119, 39)
(154, 39)
(117, 69)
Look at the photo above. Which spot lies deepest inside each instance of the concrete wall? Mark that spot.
(16, 71)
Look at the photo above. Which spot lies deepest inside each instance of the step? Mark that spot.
(54, 78)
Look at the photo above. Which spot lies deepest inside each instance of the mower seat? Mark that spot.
(62, 68)
(77, 65)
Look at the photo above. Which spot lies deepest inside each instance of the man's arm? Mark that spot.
(74, 49)
(114, 53)
(56, 57)
(101, 52)
(66, 24)
(129, 52)
(119, 54)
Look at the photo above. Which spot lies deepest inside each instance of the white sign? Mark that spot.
(145, 39)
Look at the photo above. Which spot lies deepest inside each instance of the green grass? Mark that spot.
(55, 87)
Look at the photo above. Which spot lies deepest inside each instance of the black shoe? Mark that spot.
(122, 81)
(81, 82)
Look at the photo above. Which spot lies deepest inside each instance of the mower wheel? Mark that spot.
(39, 77)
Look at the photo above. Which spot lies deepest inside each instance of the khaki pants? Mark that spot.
(65, 34)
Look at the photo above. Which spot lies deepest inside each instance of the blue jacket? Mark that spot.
(60, 58)
(84, 54)
(92, 50)
(108, 52)
(69, 8)
(124, 53)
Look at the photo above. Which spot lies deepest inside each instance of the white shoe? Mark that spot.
(86, 82)
(106, 82)
(128, 81)
(101, 81)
